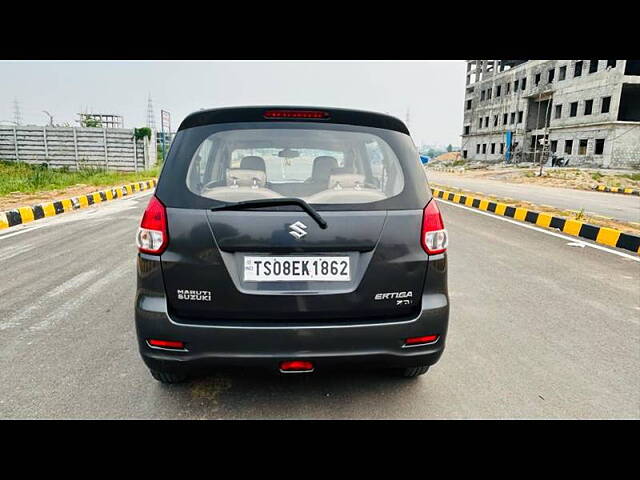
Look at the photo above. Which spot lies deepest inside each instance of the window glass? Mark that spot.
(319, 166)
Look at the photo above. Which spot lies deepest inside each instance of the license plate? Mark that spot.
(287, 269)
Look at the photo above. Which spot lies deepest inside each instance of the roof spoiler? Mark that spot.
(296, 114)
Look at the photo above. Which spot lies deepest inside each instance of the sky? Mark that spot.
(432, 91)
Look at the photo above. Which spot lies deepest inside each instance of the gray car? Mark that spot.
(293, 238)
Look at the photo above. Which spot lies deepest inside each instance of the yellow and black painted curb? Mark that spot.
(602, 235)
(23, 215)
(448, 170)
(626, 191)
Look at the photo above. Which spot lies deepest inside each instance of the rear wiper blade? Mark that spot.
(274, 202)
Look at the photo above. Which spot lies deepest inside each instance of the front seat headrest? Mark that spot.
(253, 162)
(322, 167)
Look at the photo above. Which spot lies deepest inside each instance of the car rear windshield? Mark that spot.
(321, 166)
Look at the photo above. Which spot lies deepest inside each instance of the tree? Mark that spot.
(91, 122)
(449, 148)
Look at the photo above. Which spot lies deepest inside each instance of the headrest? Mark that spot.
(346, 180)
(242, 177)
(253, 163)
(322, 167)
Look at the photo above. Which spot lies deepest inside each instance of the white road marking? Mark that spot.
(11, 252)
(542, 230)
(96, 288)
(43, 301)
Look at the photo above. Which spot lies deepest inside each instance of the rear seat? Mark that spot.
(244, 177)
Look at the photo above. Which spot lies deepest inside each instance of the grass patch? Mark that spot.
(632, 176)
(25, 178)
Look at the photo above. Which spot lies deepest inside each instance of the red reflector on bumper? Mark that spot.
(420, 340)
(296, 366)
(166, 344)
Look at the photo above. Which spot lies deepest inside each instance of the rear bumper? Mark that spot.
(327, 345)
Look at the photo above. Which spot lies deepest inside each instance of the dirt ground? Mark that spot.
(553, 177)
(17, 199)
(627, 227)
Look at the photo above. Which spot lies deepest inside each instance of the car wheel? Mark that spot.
(412, 372)
(168, 377)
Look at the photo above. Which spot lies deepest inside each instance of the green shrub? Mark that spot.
(25, 178)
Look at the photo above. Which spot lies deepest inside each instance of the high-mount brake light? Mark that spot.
(313, 114)
(152, 235)
(434, 236)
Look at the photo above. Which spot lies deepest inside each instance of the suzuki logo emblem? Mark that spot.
(298, 230)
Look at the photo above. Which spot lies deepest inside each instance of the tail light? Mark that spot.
(434, 237)
(152, 235)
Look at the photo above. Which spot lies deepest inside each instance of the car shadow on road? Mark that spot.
(257, 394)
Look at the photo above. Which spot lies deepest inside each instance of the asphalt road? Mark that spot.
(538, 329)
(613, 205)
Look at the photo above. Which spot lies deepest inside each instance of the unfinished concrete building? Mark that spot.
(586, 111)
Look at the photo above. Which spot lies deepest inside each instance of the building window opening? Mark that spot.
(574, 109)
(558, 111)
(568, 146)
(632, 67)
(599, 149)
(578, 69)
(582, 147)
(588, 107)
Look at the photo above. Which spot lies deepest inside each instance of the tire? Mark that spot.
(412, 372)
(168, 377)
